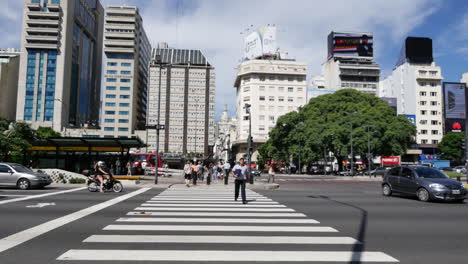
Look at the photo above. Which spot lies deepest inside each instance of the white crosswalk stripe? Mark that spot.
(210, 216)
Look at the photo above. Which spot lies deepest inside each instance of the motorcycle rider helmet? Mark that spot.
(101, 164)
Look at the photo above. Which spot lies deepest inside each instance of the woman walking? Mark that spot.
(188, 173)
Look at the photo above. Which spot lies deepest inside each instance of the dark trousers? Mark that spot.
(226, 177)
(194, 177)
(240, 184)
(208, 179)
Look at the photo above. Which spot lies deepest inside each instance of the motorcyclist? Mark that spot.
(100, 173)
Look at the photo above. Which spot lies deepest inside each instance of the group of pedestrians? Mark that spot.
(196, 171)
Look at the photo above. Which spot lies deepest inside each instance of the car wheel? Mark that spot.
(24, 184)
(386, 190)
(423, 195)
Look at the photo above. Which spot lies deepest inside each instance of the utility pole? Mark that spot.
(158, 126)
(351, 139)
(369, 155)
(249, 144)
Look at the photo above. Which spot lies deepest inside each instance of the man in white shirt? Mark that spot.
(226, 168)
(239, 172)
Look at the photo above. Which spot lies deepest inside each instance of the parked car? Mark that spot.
(255, 172)
(12, 174)
(424, 182)
(379, 171)
(460, 169)
(446, 169)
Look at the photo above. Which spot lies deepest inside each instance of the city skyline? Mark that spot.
(301, 32)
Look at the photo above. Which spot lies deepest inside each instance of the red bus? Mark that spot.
(141, 160)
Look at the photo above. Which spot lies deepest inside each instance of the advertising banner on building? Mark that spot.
(454, 106)
(350, 45)
(261, 42)
(412, 119)
(390, 160)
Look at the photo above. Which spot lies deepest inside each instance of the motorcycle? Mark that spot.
(110, 184)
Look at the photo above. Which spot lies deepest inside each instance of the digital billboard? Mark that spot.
(416, 50)
(454, 106)
(261, 42)
(342, 44)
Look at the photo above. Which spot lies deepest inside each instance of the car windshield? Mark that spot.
(139, 157)
(426, 172)
(21, 168)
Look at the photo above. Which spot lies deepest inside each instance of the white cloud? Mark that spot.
(214, 26)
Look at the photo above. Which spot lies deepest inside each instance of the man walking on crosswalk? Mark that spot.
(239, 172)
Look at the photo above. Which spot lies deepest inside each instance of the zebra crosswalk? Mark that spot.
(180, 223)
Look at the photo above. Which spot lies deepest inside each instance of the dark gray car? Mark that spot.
(424, 182)
(12, 174)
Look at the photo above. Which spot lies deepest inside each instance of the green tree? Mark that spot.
(324, 125)
(46, 132)
(451, 147)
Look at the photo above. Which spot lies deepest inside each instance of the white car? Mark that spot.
(460, 169)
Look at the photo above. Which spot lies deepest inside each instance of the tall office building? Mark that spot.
(187, 94)
(416, 83)
(272, 88)
(9, 70)
(316, 87)
(350, 63)
(127, 53)
(60, 66)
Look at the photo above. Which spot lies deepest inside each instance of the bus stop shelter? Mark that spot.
(77, 153)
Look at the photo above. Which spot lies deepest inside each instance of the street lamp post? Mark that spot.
(196, 125)
(249, 144)
(158, 126)
(369, 156)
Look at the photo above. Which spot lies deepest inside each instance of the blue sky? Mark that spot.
(214, 26)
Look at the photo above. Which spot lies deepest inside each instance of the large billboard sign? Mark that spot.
(342, 44)
(260, 43)
(454, 106)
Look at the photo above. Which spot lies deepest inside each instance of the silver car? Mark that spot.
(12, 174)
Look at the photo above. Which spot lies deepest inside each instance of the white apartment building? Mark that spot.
(60, 66)
(187, 94)
(127, 52)
(272, 88)
(9, 70)
(464, 78)
(416, 83)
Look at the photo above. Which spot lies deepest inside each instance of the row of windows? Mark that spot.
(113, 88)
(113, 96)
(272, 89)
(433, 122)
(121, 104)
(424, 112)
(124, 121)
(424, 73)
(433, 132)
(425, 93)
(123, 64)
(274, 78)
(121, 72)
(358, 85)
(425, 141)
(121, 80)
(433, 103)
(272, 98)
(279, 108)
(121, 129)
(113, 112)
(433, 84)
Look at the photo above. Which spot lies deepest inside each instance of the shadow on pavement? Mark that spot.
(359, 246)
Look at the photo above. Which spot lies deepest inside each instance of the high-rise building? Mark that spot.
(350, 63)
(416, 83)
(127, 53)
(60, 65)
(272, 88)
(183, 82)
(9, 70)
(316, 87)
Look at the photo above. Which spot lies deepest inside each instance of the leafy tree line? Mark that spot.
(324, 125)
(451, 148)
(16, 138)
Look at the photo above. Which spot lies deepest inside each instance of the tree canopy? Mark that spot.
(451, 147)
(324, 124)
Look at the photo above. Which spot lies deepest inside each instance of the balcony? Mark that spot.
(43, 30)
(42, 38)
(121, 19)
(119, 50)
(40, 14)
(119, 43)
(47, 22)
(119, 35)
(53, 46)
(110, 11)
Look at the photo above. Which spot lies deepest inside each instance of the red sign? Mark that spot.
(390, 160)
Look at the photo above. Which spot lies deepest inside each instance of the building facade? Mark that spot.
(464, 78)
(60, 66)
(350, 63)
(9, 72)
(225, 132)
(127, 52)
(316, 87)
(416, 83)
(183, 82)
(272, 88)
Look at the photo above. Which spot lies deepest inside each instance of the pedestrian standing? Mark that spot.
(211, 173)
(239, 172)
(129, 168)
(200, 171)
(188, 173)
(118, 167)
(271, 174)
(227, 169)
(194, 173)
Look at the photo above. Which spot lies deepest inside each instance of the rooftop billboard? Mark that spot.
(341, 44)
(416, 50)
(261, 42)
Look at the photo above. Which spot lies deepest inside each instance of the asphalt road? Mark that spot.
(398, 228)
